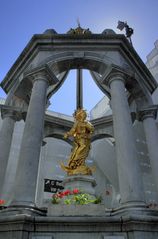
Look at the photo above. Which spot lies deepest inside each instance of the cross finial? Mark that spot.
(78, 22)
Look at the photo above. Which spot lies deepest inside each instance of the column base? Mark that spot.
(133, 204)
(23, 209)
(131, 207)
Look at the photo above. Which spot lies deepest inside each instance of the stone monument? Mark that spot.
(37, 74)
(79, 177)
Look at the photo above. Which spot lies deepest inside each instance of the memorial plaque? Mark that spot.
(52, 186)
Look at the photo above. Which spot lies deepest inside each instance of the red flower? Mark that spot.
(64, 193)
(54, 196)
(67, 192)
(61, 195)
(2, 201)
(75, 191)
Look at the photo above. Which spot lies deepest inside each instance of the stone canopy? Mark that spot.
(103, 54)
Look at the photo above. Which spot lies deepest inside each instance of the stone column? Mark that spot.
(27, 170)
(129, 174)
(5, 142)
(147, 116)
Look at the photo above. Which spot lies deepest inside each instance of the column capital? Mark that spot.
(148, 112)
(41, 73)
(12, 112)
(115, 73)
(116, 76)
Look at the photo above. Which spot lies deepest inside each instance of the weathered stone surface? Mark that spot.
(76, 210)
(84, 183)
(88, 227)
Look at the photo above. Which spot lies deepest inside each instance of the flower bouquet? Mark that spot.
(2, 202)
(75, 197)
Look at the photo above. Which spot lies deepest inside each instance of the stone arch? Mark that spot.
(99, 66)
(101, 136)
(61, 63)
(57, 135)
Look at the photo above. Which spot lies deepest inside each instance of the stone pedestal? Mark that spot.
(84, 183)
(76, 210)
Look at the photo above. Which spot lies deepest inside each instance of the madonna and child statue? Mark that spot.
(79, 183)
(81, 133)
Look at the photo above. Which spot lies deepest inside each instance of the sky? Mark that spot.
(20, 19)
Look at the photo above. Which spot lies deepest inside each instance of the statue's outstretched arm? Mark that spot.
(71, 132)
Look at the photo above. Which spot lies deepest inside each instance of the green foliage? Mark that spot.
(75, 197)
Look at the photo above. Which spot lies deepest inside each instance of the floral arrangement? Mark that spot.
(74, 196)
(2, 202)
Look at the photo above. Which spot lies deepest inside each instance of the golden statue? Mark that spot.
(81, 133)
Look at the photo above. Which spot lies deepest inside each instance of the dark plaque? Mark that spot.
(52, 186)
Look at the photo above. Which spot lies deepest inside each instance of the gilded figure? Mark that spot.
(81, 133)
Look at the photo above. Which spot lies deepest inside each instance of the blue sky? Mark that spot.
(20, 19)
